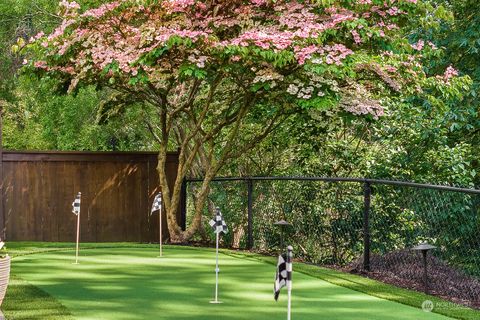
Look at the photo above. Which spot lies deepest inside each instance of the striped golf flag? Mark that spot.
(76, 204)
(283, 276)
(217, 223)
(157, 203)
(280, 275)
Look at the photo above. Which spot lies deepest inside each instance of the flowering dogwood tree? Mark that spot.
(222, 74)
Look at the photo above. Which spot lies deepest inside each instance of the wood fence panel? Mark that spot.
(117, 192)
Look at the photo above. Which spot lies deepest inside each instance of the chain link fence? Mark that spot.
(357, 225)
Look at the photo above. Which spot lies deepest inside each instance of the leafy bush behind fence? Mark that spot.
(327, 220)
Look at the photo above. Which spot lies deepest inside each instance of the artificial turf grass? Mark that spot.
(357, 283)
(98, 265)
(25, 301)
(19, 248)
(362, 284)
(351, 281)
(376, 288)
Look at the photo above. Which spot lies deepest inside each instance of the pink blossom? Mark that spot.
(126, 34)
(334, 54)
(102, 10)
(258, 2)
(61, 29)
(264, 39)
(340, 17)
(387, 53)
(178, 5)
(419, 45)
(39, 35)
(40, 64)
(393, 11)
(450, 72)
(359, 107)
(356, 37)
(68, 69)
(391, 69)
(69, 5)
(305, 53)
(69, 9)
(198, 61)
(392, 26)
(331, 10)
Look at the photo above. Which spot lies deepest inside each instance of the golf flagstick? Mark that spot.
(217, 270)
(160, 230)
(157, 205)
(76, 211)
(289, 280)
(218, 226)
(78, 237)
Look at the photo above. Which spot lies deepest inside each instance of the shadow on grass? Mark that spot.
(126, 283)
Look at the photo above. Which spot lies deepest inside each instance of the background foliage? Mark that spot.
(37, 113)
(416, 141)
(434, 137)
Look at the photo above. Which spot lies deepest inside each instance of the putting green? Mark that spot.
(132, 283)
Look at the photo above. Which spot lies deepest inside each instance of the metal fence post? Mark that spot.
(367, 193)
(183, 205)
(250, 214)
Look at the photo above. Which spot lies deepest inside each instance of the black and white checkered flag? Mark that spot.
(283, 276)
(217, 223)
(157, 203)
(76, 204)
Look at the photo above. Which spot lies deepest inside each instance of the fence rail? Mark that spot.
(356, 223)
(341, 179)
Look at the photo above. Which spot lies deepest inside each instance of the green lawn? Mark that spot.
(131, 282)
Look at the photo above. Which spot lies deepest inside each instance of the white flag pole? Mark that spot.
(78, 230)
(289, 304)
(160, 229)
(217, 270)
(289, 280)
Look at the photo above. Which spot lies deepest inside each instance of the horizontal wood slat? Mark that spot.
(117, 191)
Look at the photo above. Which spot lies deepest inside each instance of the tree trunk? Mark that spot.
(194, 157)
(172, 199)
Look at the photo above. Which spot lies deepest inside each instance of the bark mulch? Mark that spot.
(404, 268)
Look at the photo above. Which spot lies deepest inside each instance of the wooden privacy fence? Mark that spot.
(117, 191)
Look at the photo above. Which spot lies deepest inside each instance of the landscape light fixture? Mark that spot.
(282, 224)
(424, 248)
